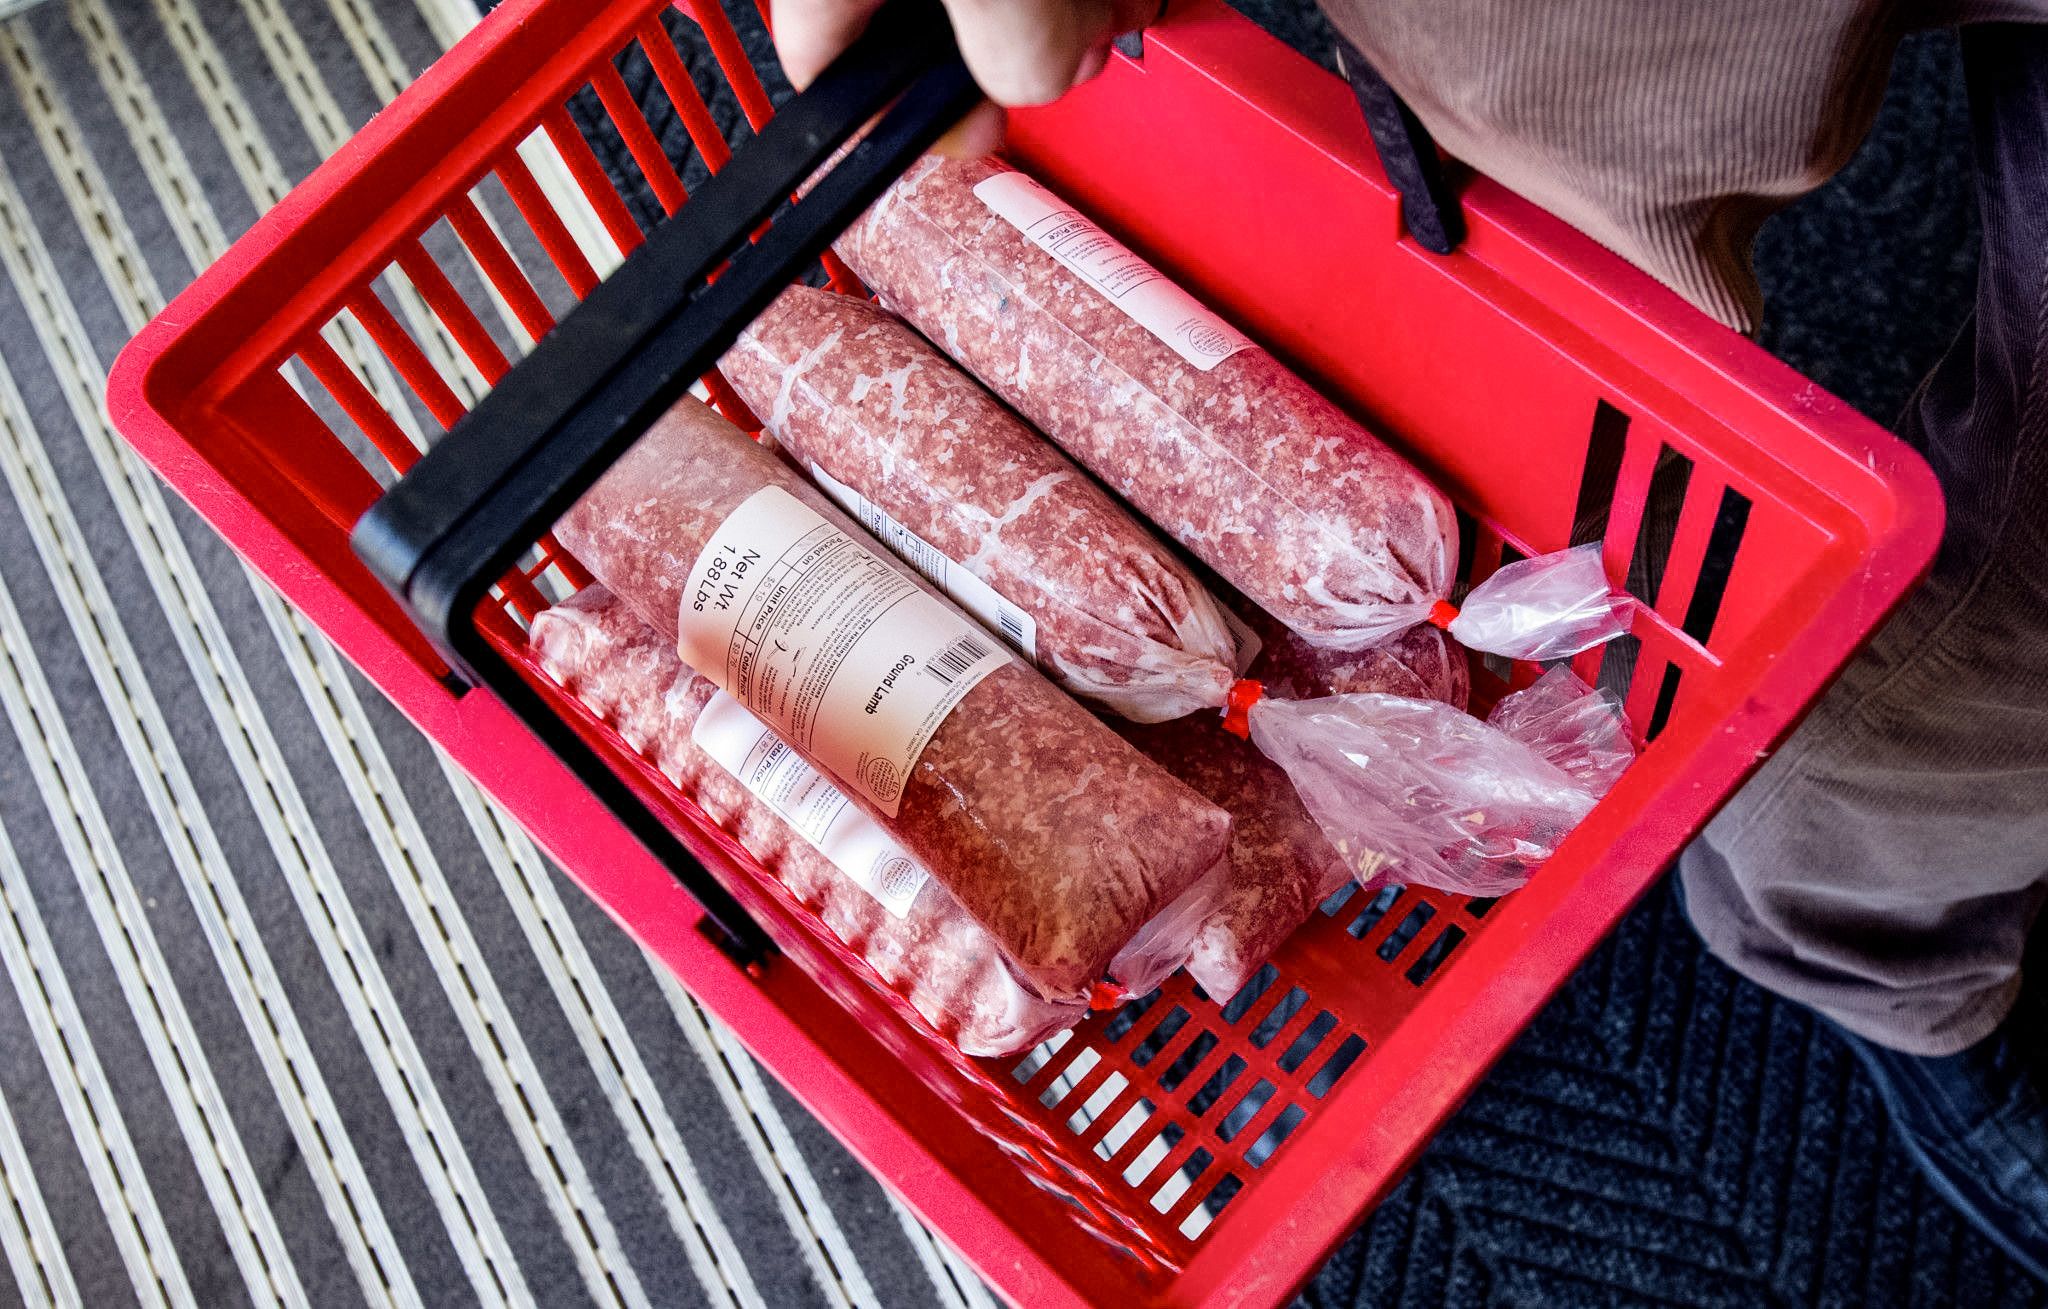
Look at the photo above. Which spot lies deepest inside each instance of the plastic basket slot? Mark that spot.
(640, 142)
(1248, 995)
(1126, 1018)
(683, 95)
(1338, 1064)
(1039, 1056)
(1700, 525)
(1439, 952)
(1290, 1117)
(1160, 1036)
(1654, 681)
(1374, 911)
(1656, 533)
(541, 216)
(1107, 1110)
(1187, 1061)
(501, 269)
(1220, 1081)
(1096, 1107)
(1240, 1115)
(393, 450)
(1600, 474)
(1200, 1217)
(1724, 542)
(1064, 1081)
(1468, 544)
(1120, 1128)
(1151, 1151)
(1213, 1204)
(739, 71)
(1063, 1059)
(368, 309)
(1301, 1047)
(1337, 899)
(1277, 1018)
(1265, 1053)
(590, 178)
(1179, 1183)
(1410, 926)
(454, 313)
(1199, 1205)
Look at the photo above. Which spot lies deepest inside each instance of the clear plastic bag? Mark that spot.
(1418, 792)
(1580, 730)
(1541, 608)
(1235, 456)
(932, 953)
(1166, 942)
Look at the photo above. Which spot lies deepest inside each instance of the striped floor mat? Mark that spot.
(294, 1015)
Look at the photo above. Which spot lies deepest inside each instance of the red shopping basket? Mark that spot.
(1184, 1150)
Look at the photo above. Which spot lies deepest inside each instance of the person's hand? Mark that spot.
(1021, 52)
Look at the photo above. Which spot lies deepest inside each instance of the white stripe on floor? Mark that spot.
(97, 861)
(260, 996)
(465, 977)
(92, 1113)
(28, 1237)
(174, 1048)
(238, 716)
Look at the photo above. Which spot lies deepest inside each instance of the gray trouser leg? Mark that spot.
(1887, 863)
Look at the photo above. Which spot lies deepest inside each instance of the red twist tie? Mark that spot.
(1105, 994)
(1237, 707)
(1442, 614)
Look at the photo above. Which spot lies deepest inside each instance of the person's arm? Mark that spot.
(1021, 52)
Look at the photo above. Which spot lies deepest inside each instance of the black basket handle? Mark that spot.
(1408, 154)
(615, 363)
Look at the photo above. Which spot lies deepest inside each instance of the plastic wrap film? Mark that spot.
(1251, 469)
(956, 484)
(1416, 791)
(934, 954)
(1051, 832)
(1281, 865)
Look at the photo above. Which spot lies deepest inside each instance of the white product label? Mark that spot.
(968, 591)
(844, 833)
(1244, 642)
(831, 644)
(1128, 282)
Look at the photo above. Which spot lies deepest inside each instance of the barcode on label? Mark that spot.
(957, 658)
(1012, 624)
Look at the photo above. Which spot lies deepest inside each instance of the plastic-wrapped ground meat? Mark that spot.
(932, 953)
(952, 481)
(1282, 866)
(1208, 435)
(1050, 831)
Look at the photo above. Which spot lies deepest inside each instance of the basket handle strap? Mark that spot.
(1407, 153)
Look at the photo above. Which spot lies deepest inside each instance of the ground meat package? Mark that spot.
(833, 856)
(946, 475)
(1049, 831)
(983, 506)
(1204, 432)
